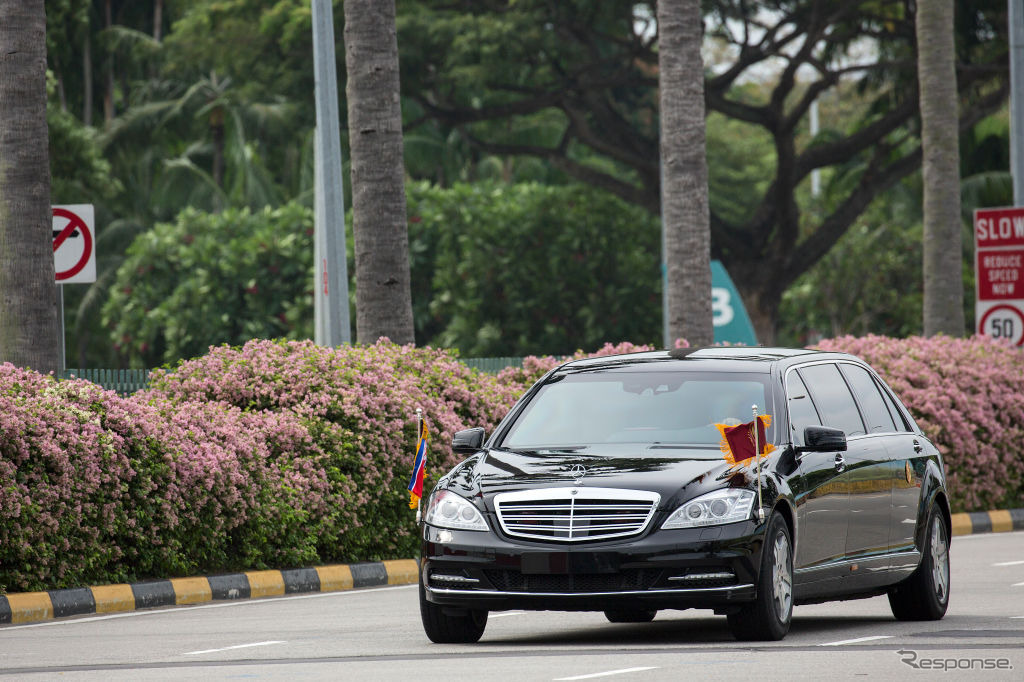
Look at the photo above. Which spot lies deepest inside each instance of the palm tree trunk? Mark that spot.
(936, 71)
(108, 93)
(684, 173)
(383, 297)
(28, 311)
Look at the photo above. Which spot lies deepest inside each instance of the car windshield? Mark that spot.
(643, 407)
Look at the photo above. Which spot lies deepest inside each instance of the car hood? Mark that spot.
(661, 469)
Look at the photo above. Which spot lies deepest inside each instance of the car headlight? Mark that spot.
(448, 510)
(721, 506)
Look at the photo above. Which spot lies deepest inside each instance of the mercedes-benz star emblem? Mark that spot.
(578, 471)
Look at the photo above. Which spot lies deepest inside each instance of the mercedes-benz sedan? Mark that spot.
(629, 484)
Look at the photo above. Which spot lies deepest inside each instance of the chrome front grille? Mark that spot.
(575, 514)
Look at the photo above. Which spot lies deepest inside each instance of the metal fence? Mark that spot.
(128, 381)
(124, 381)
(492, 365)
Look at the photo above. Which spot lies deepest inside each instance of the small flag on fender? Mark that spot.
(738, 441)
(416, 483)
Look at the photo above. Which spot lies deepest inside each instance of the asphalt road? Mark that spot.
(375, 634)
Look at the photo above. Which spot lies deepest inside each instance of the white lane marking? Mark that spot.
(1018, 585)
(1009, 563)
(858, 640)
(218, 605)
(507, 613)
(608, 673)
(229, 648)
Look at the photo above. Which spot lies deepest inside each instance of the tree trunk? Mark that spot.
(684, 173)
(28, 310)
(383, 297)
(108, 92)
(87, 78)
(936, 71)
(216, 122)
(158, 20)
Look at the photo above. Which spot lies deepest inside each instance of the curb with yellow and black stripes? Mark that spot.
(30, 607)
(999, 521)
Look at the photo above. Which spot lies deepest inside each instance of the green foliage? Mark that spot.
(207, 279)
(527, 269)
(869, 282)
(78, 172)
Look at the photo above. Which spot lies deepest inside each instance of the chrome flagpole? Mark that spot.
(757, 451)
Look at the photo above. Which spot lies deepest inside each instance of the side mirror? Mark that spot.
(468, 441)
(823, 439)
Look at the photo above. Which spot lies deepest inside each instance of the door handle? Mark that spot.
(840, 462)
(917, 446)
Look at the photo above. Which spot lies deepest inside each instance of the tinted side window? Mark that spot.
(833, 399)
(801, 410)
(876, 414)
(894, 410)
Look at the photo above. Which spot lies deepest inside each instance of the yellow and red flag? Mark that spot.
(738, 441)
(418, 467)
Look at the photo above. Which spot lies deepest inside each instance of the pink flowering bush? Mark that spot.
(98, 488)
(278, 454)
(535, 367)
(968, 397)
(358, 405)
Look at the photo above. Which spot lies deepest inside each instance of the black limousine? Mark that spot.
(611, 486)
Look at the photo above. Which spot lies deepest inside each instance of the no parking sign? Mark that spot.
(74, 241)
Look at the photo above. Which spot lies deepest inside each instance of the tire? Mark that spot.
(442, 628)
(630, 615)
(767, 618)
(925, 594)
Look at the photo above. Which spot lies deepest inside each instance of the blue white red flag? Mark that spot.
(416, 483)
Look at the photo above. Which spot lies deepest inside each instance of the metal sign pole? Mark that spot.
(1015, 9)
(331, 267)
(61, 358)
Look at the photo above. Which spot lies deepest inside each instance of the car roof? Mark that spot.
(713, 358)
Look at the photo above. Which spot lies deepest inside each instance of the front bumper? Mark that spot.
(714, 567)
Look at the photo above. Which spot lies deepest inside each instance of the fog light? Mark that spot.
(454, 579)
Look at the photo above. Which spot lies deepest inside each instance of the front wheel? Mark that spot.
(925, 594)
(448, 628)
(769, 615)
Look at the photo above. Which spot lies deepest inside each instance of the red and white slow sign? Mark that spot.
(74, 252)
(999, 271)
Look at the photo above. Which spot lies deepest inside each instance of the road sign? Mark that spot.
(999, 273)
(728, 314)
(74, 252)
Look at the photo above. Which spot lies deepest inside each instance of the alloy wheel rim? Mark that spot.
(782, 579)
(940, 560)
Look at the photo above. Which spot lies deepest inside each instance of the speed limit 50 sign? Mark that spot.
(999, 273)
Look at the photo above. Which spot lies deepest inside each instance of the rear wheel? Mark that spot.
(451, 626)
(925, 594)
(769, 615)
(630, 615)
